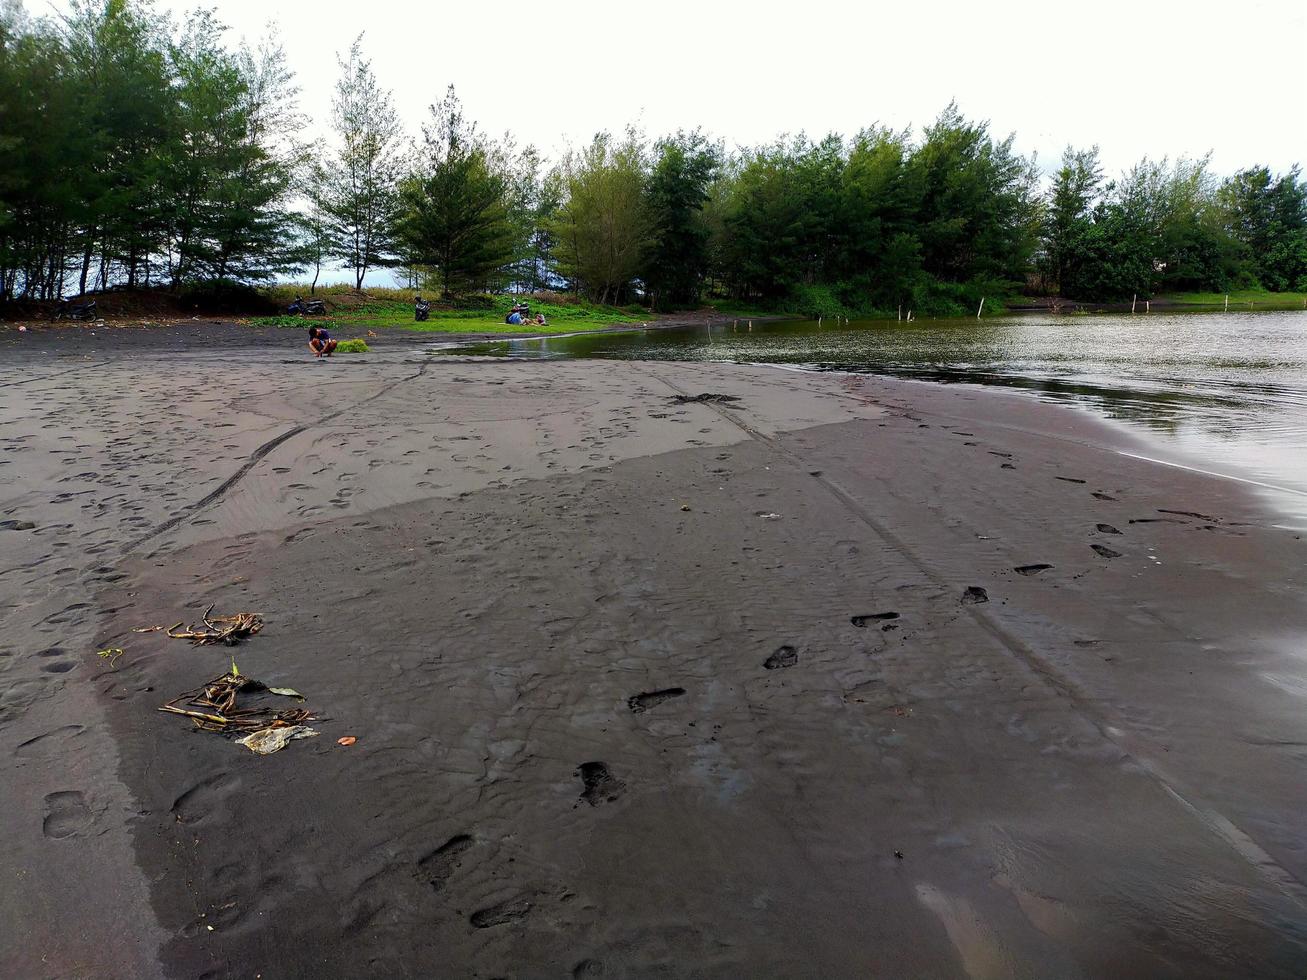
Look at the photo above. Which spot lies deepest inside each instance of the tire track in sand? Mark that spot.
(191, 511)
(1215, 822)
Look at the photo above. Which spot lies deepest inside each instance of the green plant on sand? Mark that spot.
(355, 346)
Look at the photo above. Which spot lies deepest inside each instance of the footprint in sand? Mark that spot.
(863, 620)
(785, 656)
(441, 863)
(639, 703)
(599, 785)
(204, 798)
(66, 815)
(498, 915)
(1069, 479)
(1032, 569)
(49, 743)
(974, 595)
(1106, 529)
(1105, 551)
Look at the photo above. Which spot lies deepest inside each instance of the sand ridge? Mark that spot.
(639, 686)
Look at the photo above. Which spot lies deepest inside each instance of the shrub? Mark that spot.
(356, 346)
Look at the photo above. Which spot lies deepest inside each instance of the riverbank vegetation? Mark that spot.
(139, 152)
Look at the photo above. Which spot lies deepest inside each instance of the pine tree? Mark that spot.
(676, 261)
(454, 211)
(360, 196)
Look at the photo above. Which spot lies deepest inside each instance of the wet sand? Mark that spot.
(640, 688)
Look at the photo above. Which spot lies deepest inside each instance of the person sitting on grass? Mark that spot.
(320, 342)
(539, 321)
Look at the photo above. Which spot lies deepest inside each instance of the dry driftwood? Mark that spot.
(229, 630)
(213, 707)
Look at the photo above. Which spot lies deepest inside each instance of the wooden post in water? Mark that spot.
(1227, 302)
(1133, 299)
(900, 312)
(750, 326)
(982, 308)
(1148, 306)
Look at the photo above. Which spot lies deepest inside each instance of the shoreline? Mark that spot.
(638, 685)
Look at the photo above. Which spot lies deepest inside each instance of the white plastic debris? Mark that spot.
(269, 740)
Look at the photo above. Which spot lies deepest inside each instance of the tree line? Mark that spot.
(140, 152)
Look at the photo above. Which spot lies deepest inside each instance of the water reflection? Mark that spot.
(1230, 389)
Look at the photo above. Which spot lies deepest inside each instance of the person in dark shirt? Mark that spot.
(320, 342)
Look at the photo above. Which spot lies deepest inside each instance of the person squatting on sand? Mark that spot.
(320, 342)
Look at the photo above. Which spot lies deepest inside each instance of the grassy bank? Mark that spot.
(393, 308)
(1256, 299)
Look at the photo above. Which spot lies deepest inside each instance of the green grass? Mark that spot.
(1257, 299)
(740, 311)
(355, 346)
(393, 308)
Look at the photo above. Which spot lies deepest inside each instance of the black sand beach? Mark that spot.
(845, 677)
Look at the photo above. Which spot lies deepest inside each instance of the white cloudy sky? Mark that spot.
(1156, 77)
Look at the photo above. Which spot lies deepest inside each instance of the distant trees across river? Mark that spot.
(143, 153)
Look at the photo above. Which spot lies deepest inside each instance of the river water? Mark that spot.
(1228, 391)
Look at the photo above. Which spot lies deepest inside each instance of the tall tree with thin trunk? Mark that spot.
(602, 229)
(1069, 216)
(455, 218)
(360, 196)
(677, 258)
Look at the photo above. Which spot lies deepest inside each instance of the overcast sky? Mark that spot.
(1137, 77)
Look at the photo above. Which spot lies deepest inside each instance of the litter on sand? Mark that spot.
(347, 740)
(112, 655)
(269, 740)
(215, 629)
(214, 708)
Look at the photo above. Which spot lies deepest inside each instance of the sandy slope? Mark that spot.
(640, 688)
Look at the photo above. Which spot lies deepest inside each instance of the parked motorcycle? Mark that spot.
(421, 309)
(74, 311)
(307, 307)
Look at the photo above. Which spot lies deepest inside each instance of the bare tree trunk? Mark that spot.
(86, 261)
